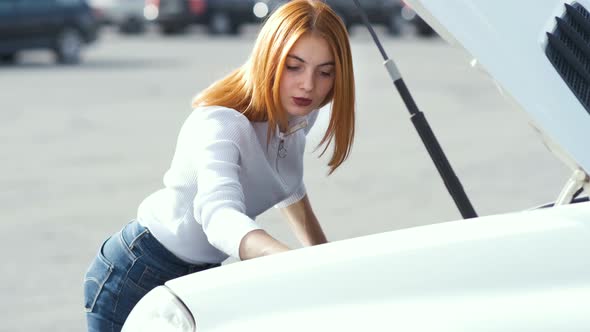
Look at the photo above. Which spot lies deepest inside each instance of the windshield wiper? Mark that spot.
(419, 120)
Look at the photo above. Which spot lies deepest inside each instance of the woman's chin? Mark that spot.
(299, 111)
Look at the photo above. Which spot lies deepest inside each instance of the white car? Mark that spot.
(522, 271)
(127, 15)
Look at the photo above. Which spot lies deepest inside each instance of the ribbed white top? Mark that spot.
(222, 176)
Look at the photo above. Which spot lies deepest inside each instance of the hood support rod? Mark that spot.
(421, 124)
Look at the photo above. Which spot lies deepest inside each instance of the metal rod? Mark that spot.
(434, 149)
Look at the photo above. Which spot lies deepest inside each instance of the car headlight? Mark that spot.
(160, 310)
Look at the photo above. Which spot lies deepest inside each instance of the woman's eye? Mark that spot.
(292, 67)
(326, 73)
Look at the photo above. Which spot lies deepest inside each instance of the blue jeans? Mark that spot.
(129, 264)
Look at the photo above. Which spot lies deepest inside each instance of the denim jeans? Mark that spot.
(129, 264)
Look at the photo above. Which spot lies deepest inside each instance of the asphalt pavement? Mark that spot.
(82, 145)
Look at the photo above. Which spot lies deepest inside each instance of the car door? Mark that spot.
(374, 9)
(390, 7)
(41, 20)
(9, 26)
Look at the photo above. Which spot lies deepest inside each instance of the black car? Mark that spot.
(220, 16)
(63, 26)
(174, 16)
(381, 12)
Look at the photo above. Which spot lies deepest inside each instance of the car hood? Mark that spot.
(508, 39)
(503, 271)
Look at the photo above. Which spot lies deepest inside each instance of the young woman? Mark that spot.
(239, 153)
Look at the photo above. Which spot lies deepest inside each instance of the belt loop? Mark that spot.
(137, 238)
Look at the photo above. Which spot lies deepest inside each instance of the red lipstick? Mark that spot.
(302, 101)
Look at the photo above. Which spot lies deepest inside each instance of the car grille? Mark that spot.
(568, 49)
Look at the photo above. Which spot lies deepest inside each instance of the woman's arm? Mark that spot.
(259, 243)
(304, 223)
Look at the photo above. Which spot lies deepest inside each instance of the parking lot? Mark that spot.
(83, 145)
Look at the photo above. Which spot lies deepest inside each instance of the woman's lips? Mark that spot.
(302, 101)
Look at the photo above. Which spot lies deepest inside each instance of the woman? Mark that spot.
(239, 153)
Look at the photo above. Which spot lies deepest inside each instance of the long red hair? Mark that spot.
(253, 88)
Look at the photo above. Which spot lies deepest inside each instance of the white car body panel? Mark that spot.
(508, 39)
(524, 271)
(119, 11)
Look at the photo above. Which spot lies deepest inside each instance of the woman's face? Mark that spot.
(308, 75)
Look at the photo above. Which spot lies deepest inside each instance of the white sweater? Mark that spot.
(221, 177)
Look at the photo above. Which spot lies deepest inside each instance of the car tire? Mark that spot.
(221, 23)
(132, 25)
(8, 58)
(395, 24)
(172, 28)
(68, 46)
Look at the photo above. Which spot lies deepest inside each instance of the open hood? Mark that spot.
(509, 40)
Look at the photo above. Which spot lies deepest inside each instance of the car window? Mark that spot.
(6, 7)
(69, 2)
(36, 4)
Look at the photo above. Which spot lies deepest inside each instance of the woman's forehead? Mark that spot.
(312, 49)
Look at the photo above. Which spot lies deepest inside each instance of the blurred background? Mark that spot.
(92, 95)
(66, 27)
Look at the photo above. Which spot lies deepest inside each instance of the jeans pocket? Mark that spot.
(97, 275)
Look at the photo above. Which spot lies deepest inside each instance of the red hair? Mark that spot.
(253, 88)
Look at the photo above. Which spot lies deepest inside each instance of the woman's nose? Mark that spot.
(307, 81)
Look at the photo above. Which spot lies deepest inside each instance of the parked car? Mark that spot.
(127, 15)
(173, 16)
(63, 26)
(220, 16)
(381, 12)
(521, 271)
(409, 15)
